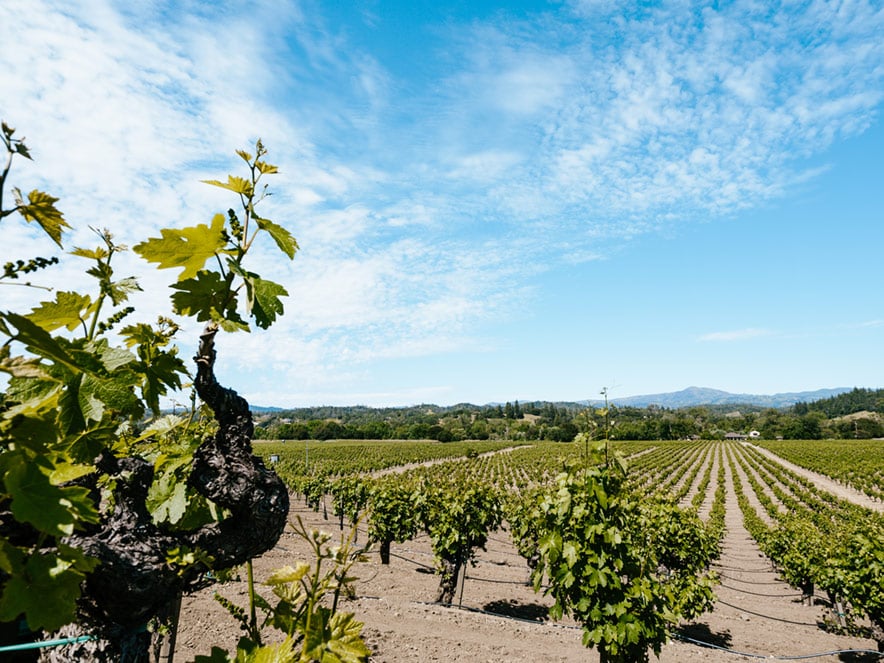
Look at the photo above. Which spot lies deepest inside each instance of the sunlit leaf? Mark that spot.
(266, 305)
(41, 208)
(188, 248)
(65, 472)
(98, 253)
(119, 291)
(111, 358)
(266, 168)
(288, 574)
(235, 184)
(162, 426)
(39, 341)
(283, 238)
(68, 310)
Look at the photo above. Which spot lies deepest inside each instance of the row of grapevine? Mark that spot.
(340, 457)
(856, 463)
(816, 540)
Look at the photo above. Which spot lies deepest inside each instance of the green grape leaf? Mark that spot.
(11, 558)
(65, 472)
(208, 297)
(91, 407)
(265, 302)
(116, 394)
(288, 574)
(119, 291)
(245, 156)
(266, 168)
(46, 592)
(188, 248)
(167, 499)
(235, 184)
(20, 367)
(233, 325)
(164, 371)
(51, 509)
(283, 652)
(283, 238)
(41, 208)
(67, 311)
(98, 253)
(35, 428)
(263, 296)
(70, 414)
(85, 446)
(111, 358)
(22, 149)
(162, 426)
(39, 341)
(202, 296)
(335, 637)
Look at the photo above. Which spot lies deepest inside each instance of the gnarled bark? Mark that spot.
(133, 582)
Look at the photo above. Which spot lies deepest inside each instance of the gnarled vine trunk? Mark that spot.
(133, 582)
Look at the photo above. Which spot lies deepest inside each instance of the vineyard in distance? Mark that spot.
(524, 549)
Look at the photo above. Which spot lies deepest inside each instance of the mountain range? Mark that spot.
(676, 399)
(705, 396)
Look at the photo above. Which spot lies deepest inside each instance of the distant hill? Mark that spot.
(262, 409)
(705, 396)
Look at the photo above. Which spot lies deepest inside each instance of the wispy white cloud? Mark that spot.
(867, 324)
(736, 335)
(695, 111)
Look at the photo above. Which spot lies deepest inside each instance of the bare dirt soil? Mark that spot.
(500, 618)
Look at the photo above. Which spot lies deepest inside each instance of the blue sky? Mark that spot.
(494, 201)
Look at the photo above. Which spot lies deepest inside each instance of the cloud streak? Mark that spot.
(736, 335)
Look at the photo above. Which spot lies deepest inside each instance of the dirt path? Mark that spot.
(502, 619)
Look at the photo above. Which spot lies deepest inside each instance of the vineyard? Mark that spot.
(475, 546)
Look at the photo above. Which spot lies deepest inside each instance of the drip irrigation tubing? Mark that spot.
(678, 636)
(497, 582)
(751, 582)
(468, 577)
(746, 591)
(797, 657)
(498, 614)
(733, 568)
(40, 644)
(763, 616)
(412, 561)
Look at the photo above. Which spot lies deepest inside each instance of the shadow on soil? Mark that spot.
(860, 658)
(532, 612)
(703, 635)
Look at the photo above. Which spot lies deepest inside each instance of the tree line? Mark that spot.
(858, 414)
